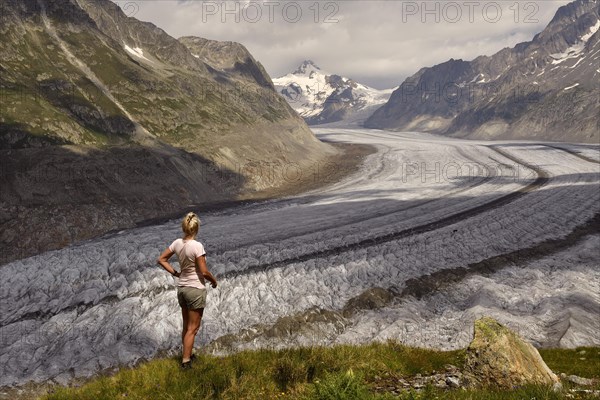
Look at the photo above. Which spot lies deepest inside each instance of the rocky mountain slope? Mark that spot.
(229, 58)
(320, 97)
(107, 120)
(546, 88)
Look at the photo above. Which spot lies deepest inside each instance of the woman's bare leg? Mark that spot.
(193, 325)
(184, 314)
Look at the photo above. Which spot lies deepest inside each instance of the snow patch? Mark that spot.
(137, 52)
(572, 52)
(591, 33)
(571, 87)
(575, 50)
(577, 63)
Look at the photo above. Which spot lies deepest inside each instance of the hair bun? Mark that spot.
(190, 223)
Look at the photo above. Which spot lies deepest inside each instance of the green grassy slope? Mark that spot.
(341, 372)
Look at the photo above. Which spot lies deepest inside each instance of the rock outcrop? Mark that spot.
(498, 357)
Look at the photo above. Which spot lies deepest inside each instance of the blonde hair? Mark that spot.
(190, 224)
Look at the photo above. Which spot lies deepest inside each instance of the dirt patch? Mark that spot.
(326, 172)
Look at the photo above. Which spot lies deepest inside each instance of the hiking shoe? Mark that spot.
(186, 365)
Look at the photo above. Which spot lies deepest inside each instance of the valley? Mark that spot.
(426, 236)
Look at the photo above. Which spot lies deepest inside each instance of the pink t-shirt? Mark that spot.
(187, 251)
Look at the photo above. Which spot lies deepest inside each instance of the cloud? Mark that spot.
(378, 43)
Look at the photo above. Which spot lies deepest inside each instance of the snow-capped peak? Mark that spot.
(312, 91)
(306, 68)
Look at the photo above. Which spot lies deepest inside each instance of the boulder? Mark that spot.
(499, 357)
(580, 381)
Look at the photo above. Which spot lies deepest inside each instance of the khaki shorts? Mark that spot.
(191, 297)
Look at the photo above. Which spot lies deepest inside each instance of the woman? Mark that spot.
(191, 291)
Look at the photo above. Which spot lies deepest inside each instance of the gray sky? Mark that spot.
(378, 43)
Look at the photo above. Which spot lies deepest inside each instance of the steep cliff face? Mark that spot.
(106, 120)
(546, 88)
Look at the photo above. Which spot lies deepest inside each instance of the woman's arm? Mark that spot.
(201, 265)
(163, 260)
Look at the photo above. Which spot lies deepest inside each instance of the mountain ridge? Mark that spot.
(522, 92)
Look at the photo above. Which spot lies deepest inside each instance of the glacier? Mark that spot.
(420, 205)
